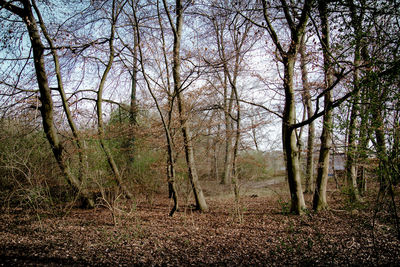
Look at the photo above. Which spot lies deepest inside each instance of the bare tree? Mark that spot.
(115, 11)
(165, 119)
(26, 13)
(288, 58)
(186, 132)
(319, 200)
(233, 41)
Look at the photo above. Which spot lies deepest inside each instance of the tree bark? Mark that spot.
(187, 136)
(290, 148)
(320, 201)
(215, 158)
(228, 102)
(74, 129)
(237, 135)
(173, 192)
(226, 177)
(309, 179)
(351, 162)
(364, 133)
(133, 109)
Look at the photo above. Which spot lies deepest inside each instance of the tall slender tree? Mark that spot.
(319, 200)
(351, 163)
(115, 11)
(309, 175)
(165, 119)
(176, 28)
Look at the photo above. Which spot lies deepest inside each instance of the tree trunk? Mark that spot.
(254, 134)
(171, 175)
(226, 177)
(351, 168)
(380, 144)
(319, 201)
(290, 149)
(215, 165)
(74, 129)
(352, 151)
(238, 130)
(173, 193)
(99, 103)
(133, 109)
(228, 102)
(311, 132)
(46, 108)
(210, 149)
(364, 133)
(187, 137)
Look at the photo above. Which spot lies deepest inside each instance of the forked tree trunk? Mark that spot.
(74, 129)
(99, 103)
(46, 109)
(289, 141)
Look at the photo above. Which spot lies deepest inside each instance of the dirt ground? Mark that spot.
(256, 231)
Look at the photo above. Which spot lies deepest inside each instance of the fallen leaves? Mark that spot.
(151, 237)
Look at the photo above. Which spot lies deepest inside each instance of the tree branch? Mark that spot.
(261, 106)
(12, 8)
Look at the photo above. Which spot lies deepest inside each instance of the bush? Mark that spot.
(255, 165)
(27, 166)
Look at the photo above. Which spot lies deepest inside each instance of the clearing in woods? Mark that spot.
(254, 231)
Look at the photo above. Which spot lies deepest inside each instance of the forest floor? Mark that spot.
(257, 230)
